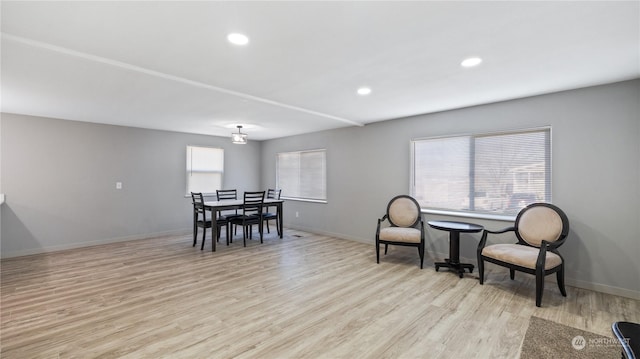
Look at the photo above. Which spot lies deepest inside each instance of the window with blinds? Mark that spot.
(205, 167)
(483, 174)
(302, 174)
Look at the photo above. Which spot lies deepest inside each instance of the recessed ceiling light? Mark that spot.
(364, 91)
(471, 62)
(238, 39)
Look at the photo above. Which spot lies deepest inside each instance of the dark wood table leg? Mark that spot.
(214, 230)
(453, 261)
(279, 206)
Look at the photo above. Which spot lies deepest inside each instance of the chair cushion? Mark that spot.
(521, 255)
(539, 223)
(400, 234)
(403, 212)
(270, 215)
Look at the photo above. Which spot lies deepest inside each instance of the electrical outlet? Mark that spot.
(297, 214)
(118, 185)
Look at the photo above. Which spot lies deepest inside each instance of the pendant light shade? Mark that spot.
(239, 138)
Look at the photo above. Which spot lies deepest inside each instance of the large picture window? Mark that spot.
(483, 174)
(302, 175)
(205, 167)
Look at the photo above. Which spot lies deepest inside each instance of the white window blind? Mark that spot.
(302, 174)
(489, 173)
(205, 167)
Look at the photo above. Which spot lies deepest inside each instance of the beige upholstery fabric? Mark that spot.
(520, 255)
(403, 212)
(400, 234)
(540, 223)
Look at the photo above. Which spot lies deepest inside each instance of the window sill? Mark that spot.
(495, 217)
(305, 200)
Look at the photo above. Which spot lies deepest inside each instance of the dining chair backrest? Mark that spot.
(253, 202)
(273, 193)
(198, 204)
(222, 194)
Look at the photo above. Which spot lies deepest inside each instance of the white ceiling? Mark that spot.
(168, 65)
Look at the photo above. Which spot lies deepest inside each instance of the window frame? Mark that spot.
(303, 199)
(189, 170)
(473, 214)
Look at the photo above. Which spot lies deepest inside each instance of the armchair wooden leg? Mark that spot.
(421, 252)
(386, 246)
(539, 287)
(560, 279)
(512, 274)
(480, 269)
(377, 251)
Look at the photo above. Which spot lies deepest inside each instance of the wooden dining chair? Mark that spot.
(228, 194)
(200, 220)
(252, 214)
(269, 216)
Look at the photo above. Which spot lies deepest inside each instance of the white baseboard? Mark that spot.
(62, 247)
(603, 288)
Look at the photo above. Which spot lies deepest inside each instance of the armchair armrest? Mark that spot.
(503, 230)
(380, 220)
(483, 240)
(542, 256)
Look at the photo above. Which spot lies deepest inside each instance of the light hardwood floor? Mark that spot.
(304, 296)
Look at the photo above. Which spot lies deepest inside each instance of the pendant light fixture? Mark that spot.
(239, 138)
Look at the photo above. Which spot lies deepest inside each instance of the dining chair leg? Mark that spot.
(268, 230)
(204, 233)
(244, 235)
(278, 227)
(195, 230)
(213, 242)
(195, 235)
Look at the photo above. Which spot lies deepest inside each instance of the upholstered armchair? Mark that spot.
(406, 227)
(540, 229)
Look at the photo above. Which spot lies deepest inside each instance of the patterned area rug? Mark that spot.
(546, 339)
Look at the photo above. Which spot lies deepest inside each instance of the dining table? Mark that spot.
(228, 204)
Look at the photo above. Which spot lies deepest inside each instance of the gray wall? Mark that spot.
(59, 179)
(596, 176)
